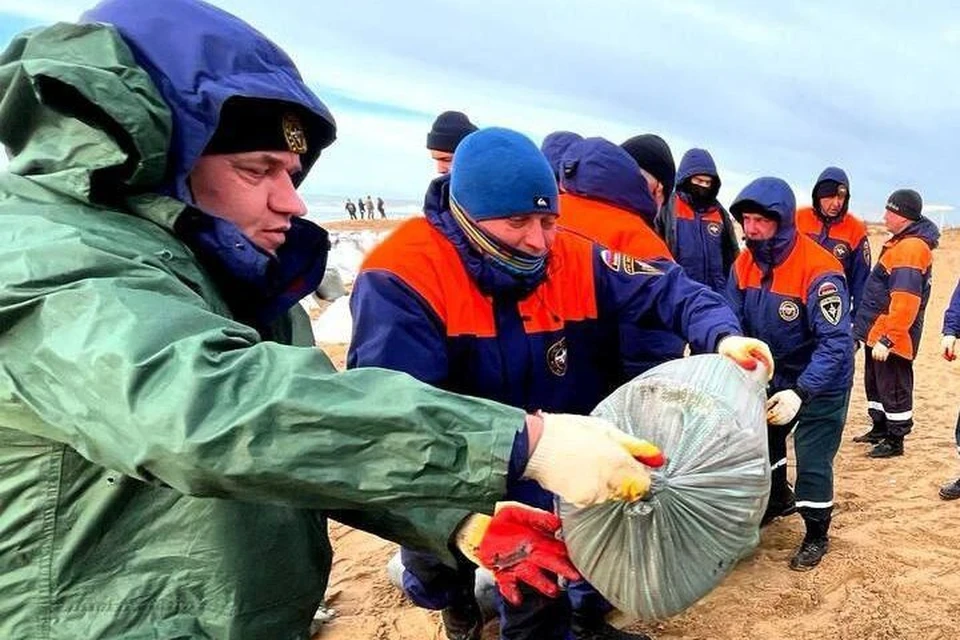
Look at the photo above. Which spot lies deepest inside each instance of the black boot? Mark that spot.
(889, 447)
(950, 491)
(463, 621)
(782, 503)
(814, 546)
(590, 627)
(874, 436)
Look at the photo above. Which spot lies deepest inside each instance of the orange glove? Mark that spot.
(519, 544)
(747, 352)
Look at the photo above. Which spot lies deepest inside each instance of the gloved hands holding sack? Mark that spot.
(587, 461)
(518, 545)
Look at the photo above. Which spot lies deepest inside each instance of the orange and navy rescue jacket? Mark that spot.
(896, 293)
(425, 303)
(605, 199)
(791, 293)
(703, 240)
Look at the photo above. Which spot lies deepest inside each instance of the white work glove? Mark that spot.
(782, 407)
(747, 352)
(587, 460)
(948, 344)
(881, 352)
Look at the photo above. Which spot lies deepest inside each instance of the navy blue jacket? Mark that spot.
(791, 293)
(702, 238)
(951, 317)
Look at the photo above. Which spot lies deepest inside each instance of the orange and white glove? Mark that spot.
(749, 353)
(783, 406)
(519, 544)
(880, 352)
(587, 461)
(948, 345)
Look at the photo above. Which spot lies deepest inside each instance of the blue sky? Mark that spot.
(769, 88)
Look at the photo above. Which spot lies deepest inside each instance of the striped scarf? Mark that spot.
(515, 262)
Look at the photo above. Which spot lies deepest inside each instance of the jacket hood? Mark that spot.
(775, 197)
(697, 162)
(78, 117)
(200, 56)
(598, 169)
(555, 145)
(925, 229)
(834, 174)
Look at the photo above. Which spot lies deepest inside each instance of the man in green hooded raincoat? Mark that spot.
(168, 457)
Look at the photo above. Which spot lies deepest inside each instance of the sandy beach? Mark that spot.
(893, 571)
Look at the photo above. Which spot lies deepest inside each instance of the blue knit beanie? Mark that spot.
(499, 173)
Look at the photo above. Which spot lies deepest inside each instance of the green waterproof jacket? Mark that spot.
(165, 472)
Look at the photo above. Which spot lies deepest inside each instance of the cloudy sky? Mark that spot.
(780, 89)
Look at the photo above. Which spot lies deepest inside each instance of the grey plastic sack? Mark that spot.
(655, 557)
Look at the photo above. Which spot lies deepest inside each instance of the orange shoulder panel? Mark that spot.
(908, 252)
(746, 271)
(854, 229)
(806, 262)
(611, 227)
(807, 221)
(427, 262)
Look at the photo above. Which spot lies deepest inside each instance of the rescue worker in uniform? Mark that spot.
(889, 320)
(831, 225)
(948, 349)
(489, 298)
(790, 292)
(695, 226)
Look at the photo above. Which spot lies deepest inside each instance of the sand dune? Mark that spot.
(893, 571)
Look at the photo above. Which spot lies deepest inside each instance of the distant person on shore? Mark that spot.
(370, 208)
(383, 213)
(829, 223)
(362, 206)
(351, 209)
(948, 346)
(890, 320)
(447, 131)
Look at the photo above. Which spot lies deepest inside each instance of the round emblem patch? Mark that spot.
(714, 229)
(789, 310)
(557, 357)
(841, 251)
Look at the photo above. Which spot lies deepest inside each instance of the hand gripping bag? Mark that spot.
(655, 557)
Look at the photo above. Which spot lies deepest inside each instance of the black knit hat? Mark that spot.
(653, 155)
(254, 124)
(906, 203)
(448, 130)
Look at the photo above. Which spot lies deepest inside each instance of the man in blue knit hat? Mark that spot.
(488, 297)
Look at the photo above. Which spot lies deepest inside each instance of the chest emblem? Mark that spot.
(557, 357)
(840, 251)
(714, 229)
(789, 310)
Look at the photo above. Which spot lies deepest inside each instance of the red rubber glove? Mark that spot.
(519, 544)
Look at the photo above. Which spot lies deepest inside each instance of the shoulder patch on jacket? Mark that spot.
(831, 307)
(630, 265)
(866, 253)
(557, 357)
(826, 289)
